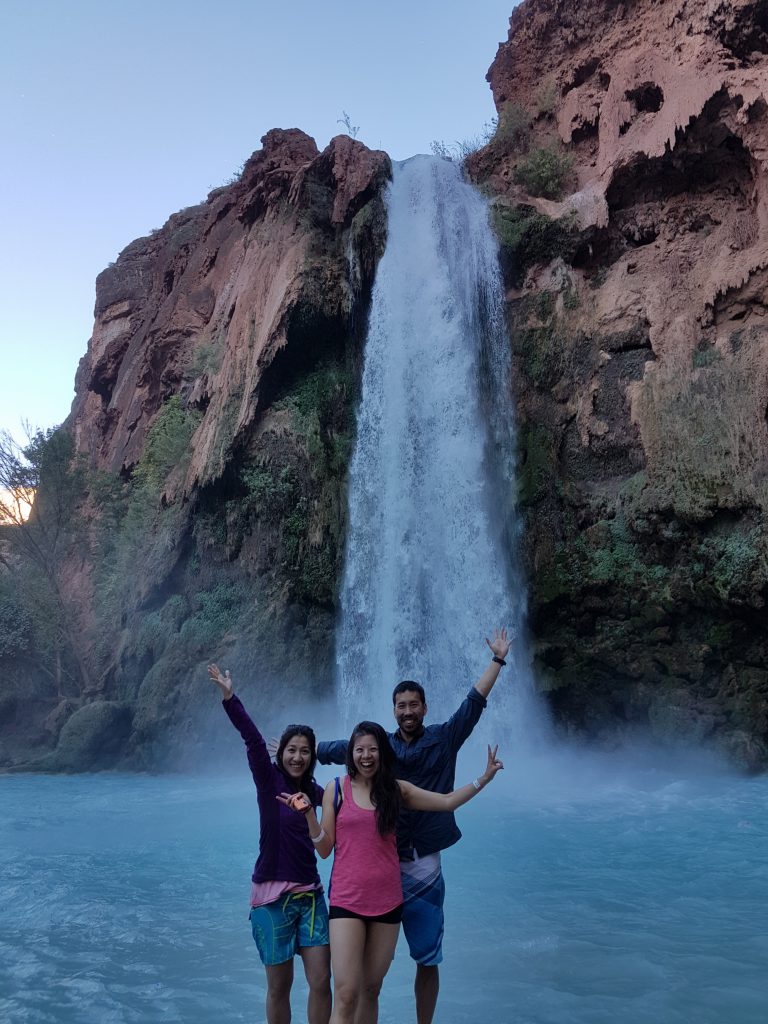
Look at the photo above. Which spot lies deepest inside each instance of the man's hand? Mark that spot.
(222, 679)
(500, 644)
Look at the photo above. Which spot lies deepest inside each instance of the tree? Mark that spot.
(41, 484)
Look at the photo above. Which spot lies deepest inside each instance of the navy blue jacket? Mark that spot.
(428, 761)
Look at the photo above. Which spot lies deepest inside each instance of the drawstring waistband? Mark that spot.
(311, 894)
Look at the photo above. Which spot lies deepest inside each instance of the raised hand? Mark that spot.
(222, 679)
(501, 643)
(299, 802)
(494, 765)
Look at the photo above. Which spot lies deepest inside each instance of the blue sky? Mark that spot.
(116, 113)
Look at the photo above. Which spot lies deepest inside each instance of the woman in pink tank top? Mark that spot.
(366, 898)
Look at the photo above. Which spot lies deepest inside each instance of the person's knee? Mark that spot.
(345, 996)
(372, 988)
(319, 979)
(279, 986)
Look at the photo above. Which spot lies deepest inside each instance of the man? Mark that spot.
(426, 756)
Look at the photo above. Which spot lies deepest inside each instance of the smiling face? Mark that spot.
(410, 711)
(365, 755)
(297, 756)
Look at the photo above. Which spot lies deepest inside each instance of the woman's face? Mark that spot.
(297, 756)
(365, 755)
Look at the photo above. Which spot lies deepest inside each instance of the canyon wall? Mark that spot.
(212, 427)
(214, 414)
(628, 176)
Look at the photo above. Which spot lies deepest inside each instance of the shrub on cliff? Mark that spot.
(528, 238)
(544, 172)
(513, 127)
(138, 533)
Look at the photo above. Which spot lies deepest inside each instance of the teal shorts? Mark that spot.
(282, 928)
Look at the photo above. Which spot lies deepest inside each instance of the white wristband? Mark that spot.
(319, 837)
(477, 784)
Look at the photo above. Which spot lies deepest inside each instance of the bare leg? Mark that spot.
(426, 987)
(347, 949)
(279, 981)
(379, 949)
(317, 969)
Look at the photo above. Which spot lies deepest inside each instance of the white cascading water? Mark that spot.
(430, 567)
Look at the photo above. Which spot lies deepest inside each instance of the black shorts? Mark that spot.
(391, 917)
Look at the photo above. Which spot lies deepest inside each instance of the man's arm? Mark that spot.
(500, 649)
(463, 721)
(332, 751)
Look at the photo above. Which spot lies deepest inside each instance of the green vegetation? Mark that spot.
(321, 405)
(216, 612)
(737, 562)
(513, 128)
(571, 299)
(544, 172)
(528, 238)
(270, 492)
(546, 98)
(207, 359)
(36, 544)
(138, 531)
(702, 439)
(704, 357)
(166, 447)
(543, 346)
(538, 450)
(15, 624)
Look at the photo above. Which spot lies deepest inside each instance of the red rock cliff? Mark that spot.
(213, 418)
(632, 204)
(203, 305)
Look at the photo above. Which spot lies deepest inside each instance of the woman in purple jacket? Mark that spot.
(288, 910)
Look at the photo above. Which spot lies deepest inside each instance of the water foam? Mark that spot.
(430, 566)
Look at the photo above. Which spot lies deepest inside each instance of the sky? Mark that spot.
(117, 113)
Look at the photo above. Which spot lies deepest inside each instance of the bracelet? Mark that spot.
(477, 784)
(319, 837)
(498, 660)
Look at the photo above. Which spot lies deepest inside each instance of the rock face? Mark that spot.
(629, 169)
(213, 415)
(202, 307)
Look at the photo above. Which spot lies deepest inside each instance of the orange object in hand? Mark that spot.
(298, 802)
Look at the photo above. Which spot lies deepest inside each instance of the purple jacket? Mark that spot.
(286, 853)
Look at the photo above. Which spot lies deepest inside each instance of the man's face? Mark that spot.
(410, 710)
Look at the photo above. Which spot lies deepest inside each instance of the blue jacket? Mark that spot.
(428, 761)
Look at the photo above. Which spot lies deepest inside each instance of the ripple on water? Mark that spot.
(644, 906)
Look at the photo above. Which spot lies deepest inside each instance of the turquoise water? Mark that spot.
(582, 893)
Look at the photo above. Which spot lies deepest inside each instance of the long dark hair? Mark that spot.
(307, 781)
(385, 792)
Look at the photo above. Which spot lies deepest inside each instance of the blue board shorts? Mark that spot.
(423, 920)
(280, 929)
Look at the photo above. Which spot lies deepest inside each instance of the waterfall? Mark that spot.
(430, 563)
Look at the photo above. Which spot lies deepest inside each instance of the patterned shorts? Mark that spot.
(423, 921)
(282, 928)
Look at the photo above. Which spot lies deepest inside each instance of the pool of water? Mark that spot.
(583, 892)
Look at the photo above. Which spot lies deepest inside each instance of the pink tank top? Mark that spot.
(366, 868)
